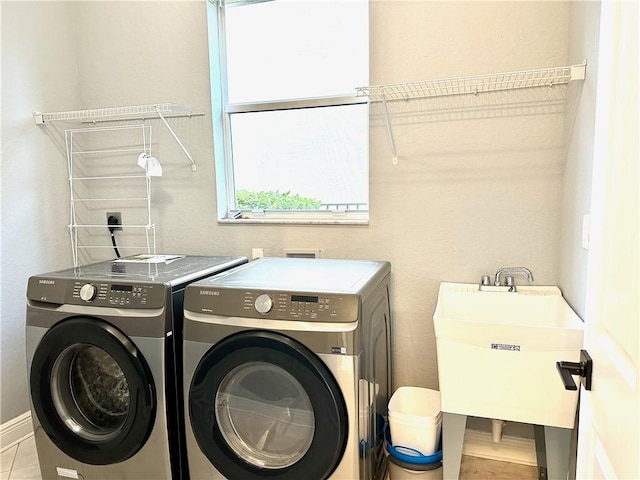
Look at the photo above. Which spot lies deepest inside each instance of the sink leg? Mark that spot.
(453, 426)
(558, 449)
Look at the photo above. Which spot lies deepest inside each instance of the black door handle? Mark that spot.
(565, 369)
(584, 368)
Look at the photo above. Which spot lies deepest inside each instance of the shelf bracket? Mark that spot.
(194, 167)
(579, 71)
(390, 131)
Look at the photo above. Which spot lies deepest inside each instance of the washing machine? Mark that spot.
(287, 370)
(104, 355)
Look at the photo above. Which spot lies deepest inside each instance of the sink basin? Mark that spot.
(497, 352)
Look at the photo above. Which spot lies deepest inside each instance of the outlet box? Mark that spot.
(118, 220)
(257, 253)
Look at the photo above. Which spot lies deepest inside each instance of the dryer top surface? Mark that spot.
(161, 269)
(302, 274)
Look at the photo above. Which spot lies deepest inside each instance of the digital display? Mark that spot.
(121, 288)
(304, 298)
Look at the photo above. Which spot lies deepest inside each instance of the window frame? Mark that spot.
(222, 111)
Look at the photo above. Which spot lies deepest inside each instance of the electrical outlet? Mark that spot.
(114, 218)
(257, 253)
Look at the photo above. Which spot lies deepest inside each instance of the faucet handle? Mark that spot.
(508, 281)
(485, 280)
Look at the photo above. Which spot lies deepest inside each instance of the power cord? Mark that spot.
(113, 223)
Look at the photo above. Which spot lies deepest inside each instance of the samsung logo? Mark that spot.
(47, 282)
(209, 292)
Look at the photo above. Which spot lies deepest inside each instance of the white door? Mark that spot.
(608, 442)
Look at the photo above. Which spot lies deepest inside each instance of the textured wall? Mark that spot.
(38, 73)
(479, 184)
(584, 28)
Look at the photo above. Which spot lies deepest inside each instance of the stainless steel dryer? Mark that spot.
(287, 370)
(104, 377)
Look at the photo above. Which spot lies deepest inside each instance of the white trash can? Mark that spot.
(415, 419)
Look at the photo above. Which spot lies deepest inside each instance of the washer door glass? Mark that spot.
(90, 392)
(265, 415)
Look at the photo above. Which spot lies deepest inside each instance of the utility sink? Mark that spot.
(497, 352)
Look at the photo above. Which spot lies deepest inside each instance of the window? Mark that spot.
(290, 136)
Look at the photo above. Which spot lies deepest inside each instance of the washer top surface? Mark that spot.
(163, 269)
(301, 274)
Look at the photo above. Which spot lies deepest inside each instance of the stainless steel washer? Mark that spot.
(104, 377)
(287, 370)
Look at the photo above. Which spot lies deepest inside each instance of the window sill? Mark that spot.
(293, 221)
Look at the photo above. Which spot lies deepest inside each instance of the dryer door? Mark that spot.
(263, 405)
(92, 391)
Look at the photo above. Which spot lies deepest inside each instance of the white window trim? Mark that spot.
(222, 150)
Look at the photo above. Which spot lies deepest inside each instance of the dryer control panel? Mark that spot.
(277, 305)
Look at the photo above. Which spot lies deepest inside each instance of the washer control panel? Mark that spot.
(107, 294)
(97, 293)
(277, 305)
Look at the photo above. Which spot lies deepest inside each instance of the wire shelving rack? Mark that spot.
(468, 85)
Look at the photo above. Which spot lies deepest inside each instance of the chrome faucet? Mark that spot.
(500, 271)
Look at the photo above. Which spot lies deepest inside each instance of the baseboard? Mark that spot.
(15, 430)
(509, 449)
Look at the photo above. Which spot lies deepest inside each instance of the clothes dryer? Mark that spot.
(103, 372)
(287, 370)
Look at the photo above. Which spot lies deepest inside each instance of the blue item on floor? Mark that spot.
(410, 455)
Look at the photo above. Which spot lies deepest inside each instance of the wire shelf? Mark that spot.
(131, 112)
(116, 113)
(472, 85)
(544, 77)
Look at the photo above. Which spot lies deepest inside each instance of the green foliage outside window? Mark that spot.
(277, 200)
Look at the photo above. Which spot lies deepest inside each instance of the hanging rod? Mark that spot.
(77, 226)
(474, 85)
(132, 112)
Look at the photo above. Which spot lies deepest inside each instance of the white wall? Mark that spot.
(39, 71)
(476, 188)
(584, 30)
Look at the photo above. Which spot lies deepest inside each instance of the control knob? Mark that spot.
(263, 303)
(88, 292)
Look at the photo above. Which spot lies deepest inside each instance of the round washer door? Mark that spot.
(92, 391)
(262, 405)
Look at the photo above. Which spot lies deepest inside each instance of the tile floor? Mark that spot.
(20, 462)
